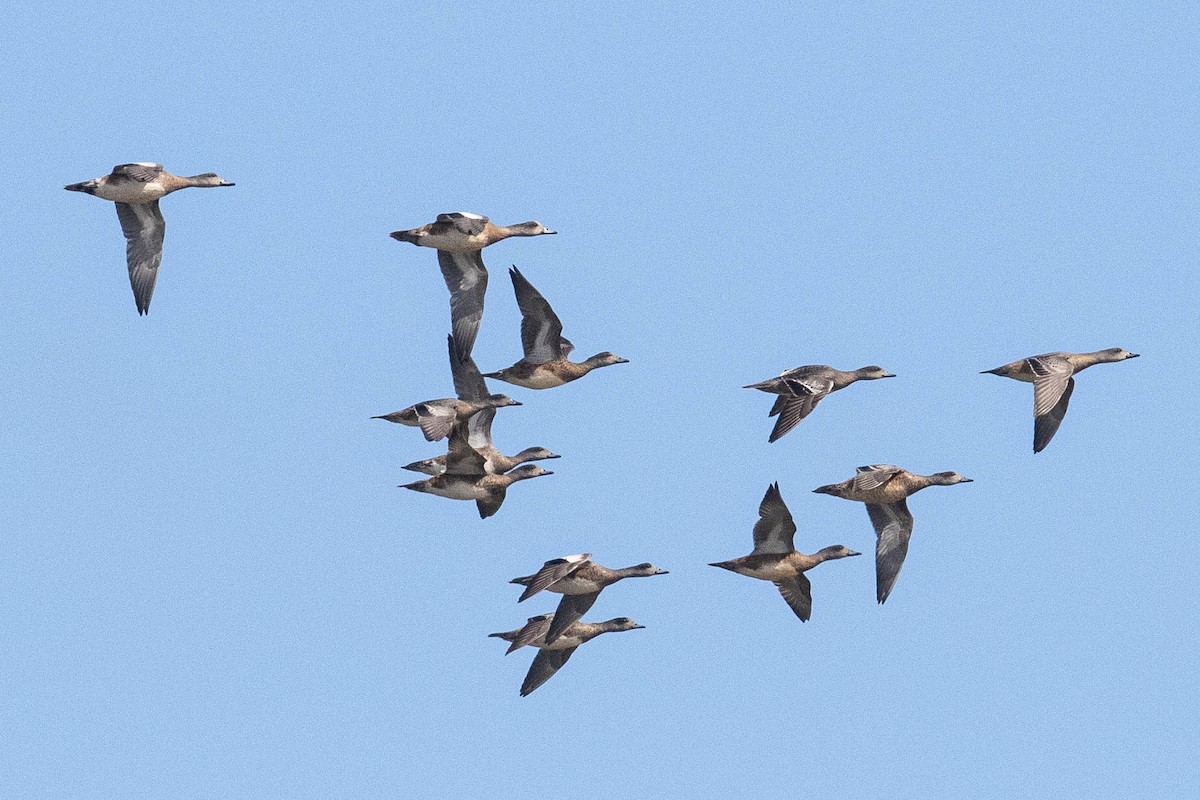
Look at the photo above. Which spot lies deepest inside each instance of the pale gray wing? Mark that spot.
(565, 346)
(468, 381)
(543, 668)
(436, 420)
(570, 609)
(893, 528)
(1051, 374)
(552, 572)
(461, 458)
(797, 592)
(791, 411)
(479, 428)
(470, 224)
(144, 227)
(1045, 426)
(541, 330)
(142, 173)
(534, 629)
(492, 504)
(873, 476)
(775, 529)
(466, 277)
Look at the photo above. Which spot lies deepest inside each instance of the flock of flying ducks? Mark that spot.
(474, 469)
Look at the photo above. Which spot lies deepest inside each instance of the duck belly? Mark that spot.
(779, 571)
(131, 192)
(459, 490)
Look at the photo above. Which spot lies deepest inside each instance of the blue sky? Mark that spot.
(210, 586)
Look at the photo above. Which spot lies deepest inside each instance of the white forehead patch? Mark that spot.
(468, 215)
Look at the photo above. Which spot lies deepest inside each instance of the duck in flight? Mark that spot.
(800, 390)
(885, 488)
(136, 190)
(1052, 376)
(545, 364)
(552, 655)
(579, 580)
(470, 387)
(459, 237)
(776, 559)
(466, 477)
(436, 418)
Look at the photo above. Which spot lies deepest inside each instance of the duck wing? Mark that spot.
(534, 628)
(1051, 373)
(893, 528)
(467, 278)
(492, 504)
(551, 573)
(144, 228)
(543, 668)
(144, 172)
(872, 476)
(461, 458)
(1045, 426)
(775, 529)
(469, 385)
(436, 419)
(465, 222)
(797, 592)
(570, 609)
(541, 329)
(791, 411)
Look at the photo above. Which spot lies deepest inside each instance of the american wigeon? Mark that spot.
(884, 489)
(1051, 376)
(552, 655)
(800, 390)
(459, 238)
(776, 559)
(579, 580)
(436, 418)
(136, 190)
(466, 478)
(545, 364)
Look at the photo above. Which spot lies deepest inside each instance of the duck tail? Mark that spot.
(88, 187)
(833, 489)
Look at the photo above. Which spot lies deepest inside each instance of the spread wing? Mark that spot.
(492, 504)
(461, 458)
(435, 419)
(144, 227)
(534, 629)
(791, 410)
(570, 608)
(552, 572)
(873, 476)
(466, 278)
(468, 381)
(1051, 375)
(144, 172)
(1045, 426)
(541, 330)
(797, 592)
(775, 529)
(543, 668)
(469, 385)
(893, 528)
(464, 222)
